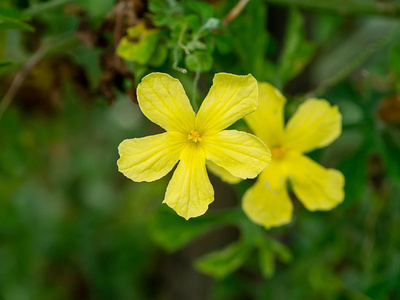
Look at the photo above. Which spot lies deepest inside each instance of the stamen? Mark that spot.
(194, 136)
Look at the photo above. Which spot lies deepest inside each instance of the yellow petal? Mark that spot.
(240, 153)
(267, 202)
(315, 124)
(162, 100)
(267, 122)
(151, 157)
(230, 98)
(190, 192)
(316, 187)
(222, 173)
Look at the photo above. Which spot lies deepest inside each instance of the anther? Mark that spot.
(194, 136)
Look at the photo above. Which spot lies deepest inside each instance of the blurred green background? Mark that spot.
(73, 227)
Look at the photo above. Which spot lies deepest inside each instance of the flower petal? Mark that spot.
(151, 157)
(316, 187)
(315, 124)
(267, 122)
(222, 173)
(240, 153)
(267, 202)
(162, 100)
(190, 192)
(230, 98)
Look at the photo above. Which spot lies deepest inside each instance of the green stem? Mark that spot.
(354, 7)
(177, 49)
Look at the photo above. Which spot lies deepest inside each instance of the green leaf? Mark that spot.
(390, 150)
(297, 52)
(199, 61)
(212, 23)
(41, 7)
(157, 6)
(7, 23)
(204, 9)
(221, 263)
(139, 44)
(266, 257)
(282, 251)
(250, 39)
(165, 12)
(193, 21)
(267, 249)
(96, 9)
(354, 167)
(223, 43)
(172, 232)
(159, 56)
(395, 63)
(5, 63)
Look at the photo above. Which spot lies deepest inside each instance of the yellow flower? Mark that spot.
(192, 139)
(314, 125)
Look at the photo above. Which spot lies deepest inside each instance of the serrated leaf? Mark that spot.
(221, 263)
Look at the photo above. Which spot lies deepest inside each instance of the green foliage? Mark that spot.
(172, 232)
(199, 61)
(390, 149)
(250, 41)
(221, 263)
(72, 227)
(5, 63)
(297, 52)
(395, 63)
(266, 250)
(7, 23)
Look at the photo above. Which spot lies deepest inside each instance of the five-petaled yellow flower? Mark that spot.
(314, 125)
(194, 138)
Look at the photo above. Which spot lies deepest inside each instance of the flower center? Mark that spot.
(194, 136)
(277, 152)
